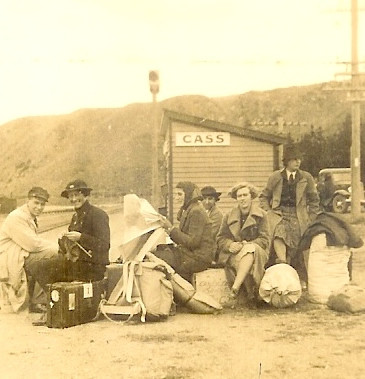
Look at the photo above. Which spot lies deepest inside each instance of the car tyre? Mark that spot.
(339, 204)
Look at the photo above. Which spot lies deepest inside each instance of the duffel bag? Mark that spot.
(280, 286)
(349, 298)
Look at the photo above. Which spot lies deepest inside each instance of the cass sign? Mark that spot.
(202, 139)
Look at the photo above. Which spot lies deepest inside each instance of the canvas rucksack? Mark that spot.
(142, 289)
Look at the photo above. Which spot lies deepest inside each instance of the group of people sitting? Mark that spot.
(260, 230)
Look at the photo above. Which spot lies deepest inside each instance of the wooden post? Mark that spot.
(356, 138)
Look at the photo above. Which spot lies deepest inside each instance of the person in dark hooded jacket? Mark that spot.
(194, 243)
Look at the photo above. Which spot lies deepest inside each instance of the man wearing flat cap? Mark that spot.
(210, 198)
(89, 231)
(22, 250)
(292, 201)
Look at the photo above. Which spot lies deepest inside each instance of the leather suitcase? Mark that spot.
(73, 303)
(114, 272)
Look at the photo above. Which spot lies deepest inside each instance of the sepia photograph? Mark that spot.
(182, 189)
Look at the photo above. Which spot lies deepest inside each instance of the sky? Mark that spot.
(60, 56)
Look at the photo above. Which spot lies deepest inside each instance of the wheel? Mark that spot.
(339, 204)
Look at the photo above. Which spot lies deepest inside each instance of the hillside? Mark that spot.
(111, 148)
(299, 108)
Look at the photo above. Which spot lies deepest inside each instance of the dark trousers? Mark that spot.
(59, 269)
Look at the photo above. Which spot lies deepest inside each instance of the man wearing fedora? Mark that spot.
(210, 198)
(292, 201)
(23, 250)
(89, 231)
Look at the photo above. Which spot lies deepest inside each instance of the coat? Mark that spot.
(255, 230)
(215, 215)
(93, 224)
(338, 232)
(194, 234)
(307, 200)
(19, 241)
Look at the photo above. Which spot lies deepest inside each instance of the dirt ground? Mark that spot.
(304, 341)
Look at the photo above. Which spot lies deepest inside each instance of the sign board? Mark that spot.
(203, 139)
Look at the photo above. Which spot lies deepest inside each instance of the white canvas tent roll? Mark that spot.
(139, 218)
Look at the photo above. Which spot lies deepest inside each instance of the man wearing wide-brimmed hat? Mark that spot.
(210, 198)
(292, 201)
(22, 248)
(89, 230)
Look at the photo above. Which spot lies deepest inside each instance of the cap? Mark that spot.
(39, 192)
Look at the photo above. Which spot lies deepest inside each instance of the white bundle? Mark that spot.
(280, 286)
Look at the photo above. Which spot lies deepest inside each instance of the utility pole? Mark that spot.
(356, 135)
(355, 94)
(154, 81)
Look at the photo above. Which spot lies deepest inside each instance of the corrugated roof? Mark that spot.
(171, 116)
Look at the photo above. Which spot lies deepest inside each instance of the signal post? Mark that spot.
(154, 82)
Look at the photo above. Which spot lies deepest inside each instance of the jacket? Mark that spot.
(255, 230)
(338, 232)
(195, 233)
(19, 239)
(307, 200)
(215, 215)
(93, 224)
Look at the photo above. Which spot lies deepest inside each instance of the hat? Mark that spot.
(291, 152)
(38, 192)
(210, 191)
(76, 185)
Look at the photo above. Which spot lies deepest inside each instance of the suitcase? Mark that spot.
(73, 303)
(113, 273)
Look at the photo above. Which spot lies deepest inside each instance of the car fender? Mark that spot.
(341, 192)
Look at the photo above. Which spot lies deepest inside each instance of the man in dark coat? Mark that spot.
(89, 231)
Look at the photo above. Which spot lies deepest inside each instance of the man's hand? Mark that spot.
(73, 236)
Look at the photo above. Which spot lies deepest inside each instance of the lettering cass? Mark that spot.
(202, 139)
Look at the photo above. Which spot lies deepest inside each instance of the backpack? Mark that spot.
(143, 289)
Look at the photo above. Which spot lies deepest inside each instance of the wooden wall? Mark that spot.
(245, 159)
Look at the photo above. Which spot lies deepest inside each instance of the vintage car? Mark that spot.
(334, 188)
